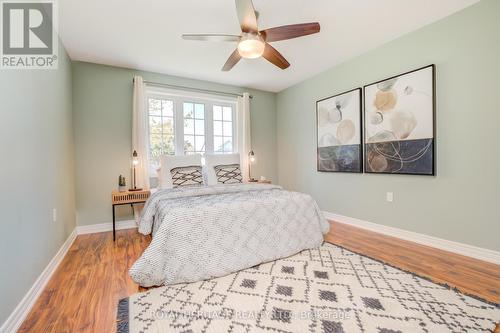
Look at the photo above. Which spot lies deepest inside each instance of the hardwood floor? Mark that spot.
(84, 291)
(468, 275)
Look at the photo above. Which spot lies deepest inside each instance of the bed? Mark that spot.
(205, 231)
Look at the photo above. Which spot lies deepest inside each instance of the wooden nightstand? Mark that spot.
(127, 198)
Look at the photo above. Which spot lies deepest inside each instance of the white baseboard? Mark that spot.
(443, 244)
(19, 314)
(103, 227)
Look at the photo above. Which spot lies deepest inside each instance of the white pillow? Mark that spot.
(214, 160)
(169, 162)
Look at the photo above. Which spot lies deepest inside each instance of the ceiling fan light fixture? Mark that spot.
(254, 43)
(251, 46)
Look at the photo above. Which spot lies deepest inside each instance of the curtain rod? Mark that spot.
(215, 92)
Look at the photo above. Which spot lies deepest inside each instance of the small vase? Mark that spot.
(122, 188)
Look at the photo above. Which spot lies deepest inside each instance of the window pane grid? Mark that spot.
(223, 129)
(161, 129)
(194, 127)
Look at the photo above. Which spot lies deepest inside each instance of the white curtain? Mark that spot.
(244, 130)
(140, 137)
(140, 132)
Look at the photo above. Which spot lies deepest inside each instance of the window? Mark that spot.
(161, 128)
(194, 128)
(182, 123)
(223, 129)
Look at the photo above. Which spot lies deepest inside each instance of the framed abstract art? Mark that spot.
(399, 123)
(338, 123)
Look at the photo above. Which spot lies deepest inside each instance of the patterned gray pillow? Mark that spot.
(228, 174)
(186, 176)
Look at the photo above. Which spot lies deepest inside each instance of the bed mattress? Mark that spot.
(211, 231)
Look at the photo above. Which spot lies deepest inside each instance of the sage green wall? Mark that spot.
(102, 102)
(36, 173)
(461, 202)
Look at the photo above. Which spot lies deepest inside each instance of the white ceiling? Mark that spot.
(145, 34)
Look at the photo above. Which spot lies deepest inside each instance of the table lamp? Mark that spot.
(135, 163)
(251, 159)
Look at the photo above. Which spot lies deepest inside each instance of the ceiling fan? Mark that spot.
(253, 43)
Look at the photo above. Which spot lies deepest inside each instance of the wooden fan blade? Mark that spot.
(290, 31)
(273, 56)
(211, 37)
(246, 16)
(231, 61)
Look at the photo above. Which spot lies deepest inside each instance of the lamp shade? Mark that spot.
(251, 156)
(135, 158)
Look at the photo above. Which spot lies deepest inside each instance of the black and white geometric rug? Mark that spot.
(328, 289)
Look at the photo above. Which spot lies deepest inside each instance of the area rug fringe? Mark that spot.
(442, 284)
(122, 322)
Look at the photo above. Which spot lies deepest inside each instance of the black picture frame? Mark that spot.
(360, 155)
(433, 148)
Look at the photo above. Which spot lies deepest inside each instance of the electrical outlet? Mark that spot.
(390, 197)
(54, 215)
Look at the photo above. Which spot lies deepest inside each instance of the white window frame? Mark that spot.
(209, 100)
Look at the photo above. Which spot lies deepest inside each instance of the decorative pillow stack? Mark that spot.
(180, 171)
(222, 169)
(187, 170)
(185, 176)
(228, 174)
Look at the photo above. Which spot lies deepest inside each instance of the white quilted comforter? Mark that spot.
(211, 231)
